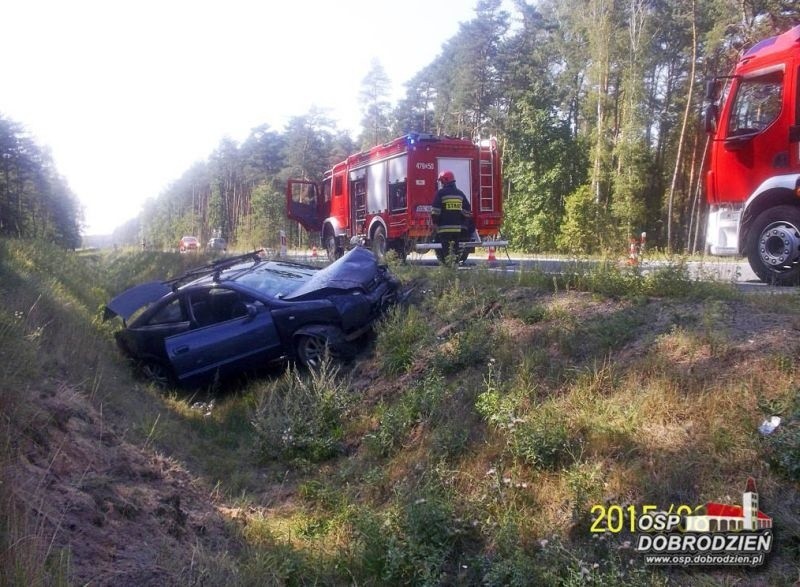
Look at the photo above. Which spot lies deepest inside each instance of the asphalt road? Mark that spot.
(728, 270)
(731, 270)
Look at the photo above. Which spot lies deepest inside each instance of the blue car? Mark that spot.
(240, 313)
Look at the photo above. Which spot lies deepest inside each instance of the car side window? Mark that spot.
(169, 314)
(217, 305)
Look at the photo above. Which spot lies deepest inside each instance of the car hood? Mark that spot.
(129, 301)
(358, 269)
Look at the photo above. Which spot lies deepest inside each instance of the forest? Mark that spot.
(35, 201)
(595, 103)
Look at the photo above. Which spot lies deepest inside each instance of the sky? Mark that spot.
(128, 95)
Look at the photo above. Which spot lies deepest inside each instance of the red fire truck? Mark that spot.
(382, 197)
(753, 182)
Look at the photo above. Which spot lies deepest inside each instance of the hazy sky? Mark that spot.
(127, 95)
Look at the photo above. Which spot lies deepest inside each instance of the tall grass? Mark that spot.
(467, 443)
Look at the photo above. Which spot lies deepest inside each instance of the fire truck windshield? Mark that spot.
(757, 104)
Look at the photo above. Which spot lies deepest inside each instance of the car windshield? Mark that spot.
(274, 279)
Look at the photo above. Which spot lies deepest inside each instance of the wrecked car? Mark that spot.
(241, 312)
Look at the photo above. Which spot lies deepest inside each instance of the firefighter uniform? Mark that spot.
(451, 213)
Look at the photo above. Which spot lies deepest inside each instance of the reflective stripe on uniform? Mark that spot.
(452, 203)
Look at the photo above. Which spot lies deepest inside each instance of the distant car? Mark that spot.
(217, 244)
(189, 243)
(245, 311)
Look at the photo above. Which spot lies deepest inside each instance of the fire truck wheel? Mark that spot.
(329, 241)
(773, 247)
(379, 242)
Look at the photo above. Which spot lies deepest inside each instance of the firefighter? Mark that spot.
(451, 214)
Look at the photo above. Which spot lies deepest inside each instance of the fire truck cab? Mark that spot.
(382, 197)
(753, 180)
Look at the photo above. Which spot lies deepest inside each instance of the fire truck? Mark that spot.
(382, 197)
(753, 180)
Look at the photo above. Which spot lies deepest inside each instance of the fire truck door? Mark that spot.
(303, 203)
(462, 169)
(755, 141)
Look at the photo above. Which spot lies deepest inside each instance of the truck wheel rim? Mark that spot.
(779, 244)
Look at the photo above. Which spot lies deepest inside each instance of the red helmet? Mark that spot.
(447, 177)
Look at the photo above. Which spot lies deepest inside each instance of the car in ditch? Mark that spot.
(239, 313)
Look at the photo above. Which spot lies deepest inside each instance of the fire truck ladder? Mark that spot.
(486, 151)
(486, 177)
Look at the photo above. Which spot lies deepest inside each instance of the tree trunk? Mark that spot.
(683, 129)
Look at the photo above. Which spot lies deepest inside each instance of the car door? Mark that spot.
(307, 203)
(237, 333)
(145, 337)
(753, 142)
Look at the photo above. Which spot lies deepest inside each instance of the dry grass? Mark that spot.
(474, 459)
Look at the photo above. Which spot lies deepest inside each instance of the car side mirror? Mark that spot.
(711, 90)
(710, 118)
(252, 311)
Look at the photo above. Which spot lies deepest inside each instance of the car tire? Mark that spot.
(157, 373)
(311, 350)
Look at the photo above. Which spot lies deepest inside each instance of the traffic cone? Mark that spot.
(492, 258)
(633, 253)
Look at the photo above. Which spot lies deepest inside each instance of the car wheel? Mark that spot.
(157, 373)
(311, 350)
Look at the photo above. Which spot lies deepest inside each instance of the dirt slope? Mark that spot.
(128, 515)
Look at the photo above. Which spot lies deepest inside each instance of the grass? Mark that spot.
(466, 445)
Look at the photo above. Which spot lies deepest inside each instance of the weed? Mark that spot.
(471, 346)
(540, 438)
(414, 542)
(783, 445)
(532, 314)
(401, 334)
(417, 405)
(585, 482)
(543, 439)
(299, 417)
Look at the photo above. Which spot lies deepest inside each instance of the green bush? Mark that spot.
(542, 440)
(413, 543)
(541, 437)
(299, 417)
